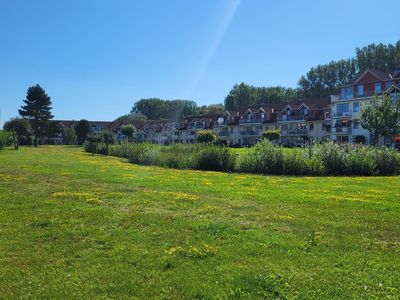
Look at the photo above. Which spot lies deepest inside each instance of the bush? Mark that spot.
(5, 139)
(271, 135)
(221, 142)
(206, 136)
(264, 158)
(333, 157)
(387, 161)
(213, 158)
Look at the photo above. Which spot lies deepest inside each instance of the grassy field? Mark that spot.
(80, 226)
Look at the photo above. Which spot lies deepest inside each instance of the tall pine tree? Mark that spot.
(37, 110)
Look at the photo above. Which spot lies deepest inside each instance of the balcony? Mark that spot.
(286, 118)
(249, 121)
(251, 132)
(345, 130)
(299, 131)
(342, 114)
(224, 133)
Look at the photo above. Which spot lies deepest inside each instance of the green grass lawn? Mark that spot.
(74, 225)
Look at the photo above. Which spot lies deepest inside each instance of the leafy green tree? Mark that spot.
(271, 135)
(159, 109)
(69, 136)
(37, 110)
(128, 130)
(92, 140)
(18, 128)
(54, 129)
(206, 136)
(131, 117)
(108, 138)
(241, 95)
(82, 130)
(5, 139)
(381, 116)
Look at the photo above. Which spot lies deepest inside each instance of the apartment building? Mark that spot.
(346, 107)
(301, 121)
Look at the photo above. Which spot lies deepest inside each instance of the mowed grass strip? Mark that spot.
(80, 226)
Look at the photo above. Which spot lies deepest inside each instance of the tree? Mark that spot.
(69, 136)
(37, 110)
(381, 116)
(54, 129)
(91, 143)
(4, 139)
(131, 117)
(18, 128)
(128, 130)
(159, 109)
(206, 136)
(271, 135)
(82, 130)
(108, 138)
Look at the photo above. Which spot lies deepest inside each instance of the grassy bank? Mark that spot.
(80, 226)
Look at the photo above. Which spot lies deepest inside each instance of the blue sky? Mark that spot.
(96, 58)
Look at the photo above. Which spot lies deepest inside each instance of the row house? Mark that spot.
(345, 108)
(304, 120)
(183, 132)
(297, 121)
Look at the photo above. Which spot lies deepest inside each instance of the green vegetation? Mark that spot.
(18, 128)
(272, 135)
(206, 136)
(264, 158)
(381, 116)
(82, 226)
(37, 109)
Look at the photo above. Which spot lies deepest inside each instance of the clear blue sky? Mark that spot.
(96, 58)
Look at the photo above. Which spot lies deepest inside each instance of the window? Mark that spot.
(378, 88)
(311, 126)
(360, 90)
(356, 106)
(342, 107)
(388, 84)
(347, 92)
(356, 123)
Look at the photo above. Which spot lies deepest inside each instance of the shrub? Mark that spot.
(264, 158)
(91, 143)
(271, 135)
(221, 142)
(213, 158)
(5, 139)
(333, 157)
(387, 161)
(206, 136)
(359, 161)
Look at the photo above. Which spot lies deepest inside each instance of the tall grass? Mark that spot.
(265, 158)
(321, 159)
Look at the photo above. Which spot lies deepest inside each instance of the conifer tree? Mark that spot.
(37, 110)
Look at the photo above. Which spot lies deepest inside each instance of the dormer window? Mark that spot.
(360, 90)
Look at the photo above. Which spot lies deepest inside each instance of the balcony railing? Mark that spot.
(286, 118)
(250, 132)
(224, 133)
(299, 131)
(342, 114)
(341, 130)
(247, 121)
